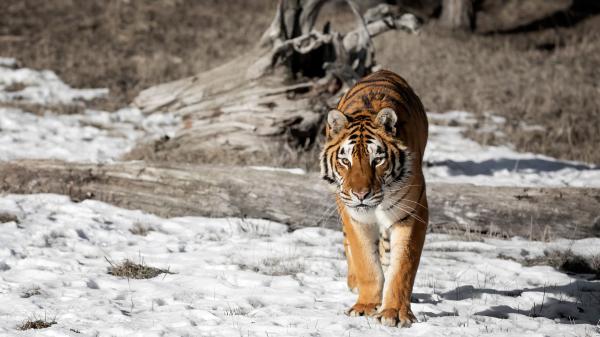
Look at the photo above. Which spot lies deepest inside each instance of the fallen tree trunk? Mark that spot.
(301, 200)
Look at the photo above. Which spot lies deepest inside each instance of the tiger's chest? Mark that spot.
(379, 218)
(378, 223)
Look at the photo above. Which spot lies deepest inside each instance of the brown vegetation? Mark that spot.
(564, 260)
(130, 269)
(140, 229)
(128, 45)
(36, 324)
(549, 79)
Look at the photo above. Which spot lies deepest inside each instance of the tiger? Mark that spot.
(372, 157)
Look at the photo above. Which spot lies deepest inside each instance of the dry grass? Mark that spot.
(549, 78)
(32, 291)
(277, 265)
(36, 323)
(130, 269)
(128, 45)
(567, 261)
(563, 260)
(7, 217)
(140, 229)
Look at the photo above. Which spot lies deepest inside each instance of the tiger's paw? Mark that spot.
(360, 309)
(402, 318)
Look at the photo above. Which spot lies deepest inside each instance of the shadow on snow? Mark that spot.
(576, 302)
(489, 167)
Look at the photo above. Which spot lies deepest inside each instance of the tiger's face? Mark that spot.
(364, 159)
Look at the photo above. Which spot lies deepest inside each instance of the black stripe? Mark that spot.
(402, 158)
(330, 146)
(357, 119)
(359, 86)
(332, 165)
(407, 215)
(325, 168)
(367, 102)
(366, 123)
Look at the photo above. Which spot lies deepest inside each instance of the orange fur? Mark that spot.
(375, 144)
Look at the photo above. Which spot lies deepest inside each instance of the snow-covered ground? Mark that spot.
(93, 136)
(39, 87)
(237, 277)
(457, 159)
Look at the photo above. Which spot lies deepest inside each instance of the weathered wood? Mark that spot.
(506, 15)
(273, 97)
(302, 199)
(457, 14)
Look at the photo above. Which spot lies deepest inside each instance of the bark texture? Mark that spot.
(272, 98)
(506, 15)
(457, 14)
(301, 200)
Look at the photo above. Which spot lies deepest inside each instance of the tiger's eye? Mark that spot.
(378, 160)
(345, 162)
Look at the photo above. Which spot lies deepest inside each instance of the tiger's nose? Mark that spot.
(361, 194)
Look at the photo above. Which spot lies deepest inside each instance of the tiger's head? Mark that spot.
(364, 159)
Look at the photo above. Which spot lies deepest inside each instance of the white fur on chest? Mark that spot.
(377, 217)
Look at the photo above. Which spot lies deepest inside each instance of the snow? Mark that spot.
(8, 62)
(250, 277)
(457, 159)
(40, 87)
(93, 136)
(279, 169)
(247, 277)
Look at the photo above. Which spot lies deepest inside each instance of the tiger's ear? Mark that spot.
(386, 118)
(336, 122)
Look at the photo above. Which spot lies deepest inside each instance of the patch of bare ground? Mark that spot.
(8, 217)
(131, 270)
(36, 323)
(140, 229)
(31, 291)
(564, 260)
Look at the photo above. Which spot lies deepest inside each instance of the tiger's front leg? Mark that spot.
(406, 241)
(364, 262)
(351, 277)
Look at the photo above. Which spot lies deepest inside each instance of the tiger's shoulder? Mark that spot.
(381, 89)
